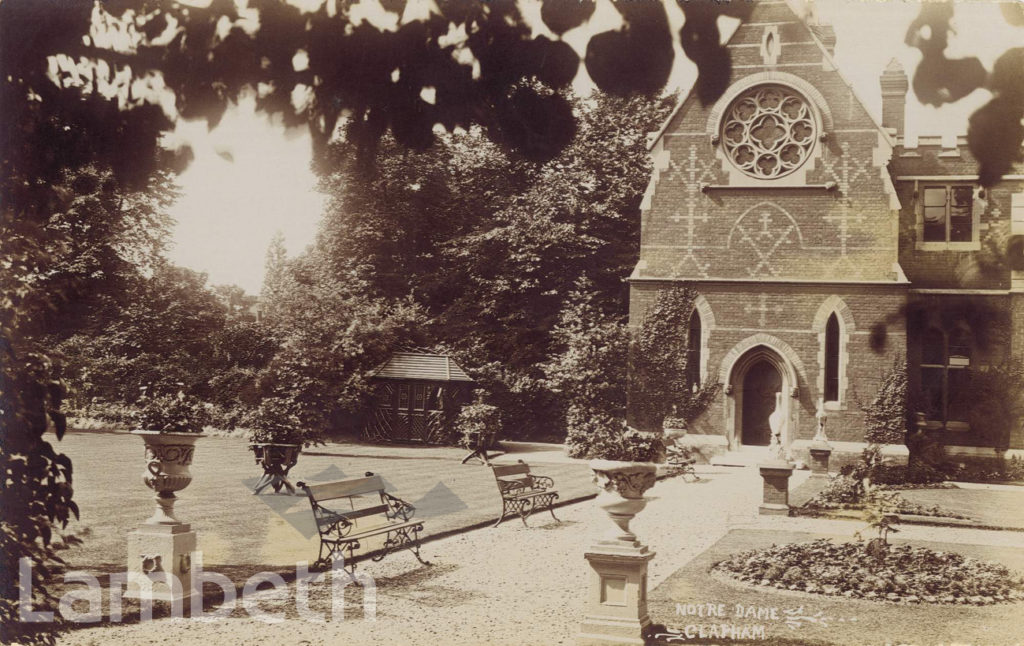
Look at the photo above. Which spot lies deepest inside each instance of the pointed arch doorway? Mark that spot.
(761, 382)
(756, 377)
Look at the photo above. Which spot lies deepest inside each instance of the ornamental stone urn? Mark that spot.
(168, 457)
(623, 485)
(160, 550)
(616, 602)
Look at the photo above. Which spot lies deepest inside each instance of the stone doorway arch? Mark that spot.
(756, 372)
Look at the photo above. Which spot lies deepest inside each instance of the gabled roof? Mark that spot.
(794, 7)
(420, 365)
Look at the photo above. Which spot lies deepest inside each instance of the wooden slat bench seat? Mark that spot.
(522, 492)
(340, 529)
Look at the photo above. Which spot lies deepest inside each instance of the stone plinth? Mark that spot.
(776, 488)
(616, 608)
(820, 454)
(156, 551)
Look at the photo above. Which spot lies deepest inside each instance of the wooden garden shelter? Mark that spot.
(416, 398)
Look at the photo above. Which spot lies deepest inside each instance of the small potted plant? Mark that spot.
(624, 461)
(674, 426)
(276, 437)
(478, 424)
(169, 425)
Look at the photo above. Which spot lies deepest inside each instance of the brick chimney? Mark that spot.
(894, 96)
(821, 30)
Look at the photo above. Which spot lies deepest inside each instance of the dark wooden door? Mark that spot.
(760, 384)
(403, 422)
(411, 421)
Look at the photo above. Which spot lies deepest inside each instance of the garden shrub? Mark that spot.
(887, 418)
(847, 492)
(918, 473)
(275, 421)
(475, 421)
(115, 413)
(609, 438)
(1011, 470)
(840, 490)
(866, 485)
(902, 573)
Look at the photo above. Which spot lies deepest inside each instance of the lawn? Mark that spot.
(790, 618)
(239, 533)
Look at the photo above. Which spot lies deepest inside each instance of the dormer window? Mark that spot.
(768, 131)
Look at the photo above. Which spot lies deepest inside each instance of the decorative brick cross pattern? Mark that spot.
(691, 175)
(847, 171)
(844, 218)
(762, 309)
(768, 231)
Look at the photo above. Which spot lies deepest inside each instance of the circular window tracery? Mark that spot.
(768, 131)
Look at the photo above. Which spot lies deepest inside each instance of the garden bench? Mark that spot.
(522, 492)
(340, 528)
(681, 462)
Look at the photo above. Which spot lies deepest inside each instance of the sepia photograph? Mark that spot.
(512, 322)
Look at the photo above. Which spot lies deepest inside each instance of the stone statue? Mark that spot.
(776, 422)
(822, 417)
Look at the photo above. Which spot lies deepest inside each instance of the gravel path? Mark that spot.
(510, 585)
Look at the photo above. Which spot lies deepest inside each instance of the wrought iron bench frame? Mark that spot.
(681, 463)
(523, 492)
(336, 527)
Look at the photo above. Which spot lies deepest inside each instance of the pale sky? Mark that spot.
(251, 178)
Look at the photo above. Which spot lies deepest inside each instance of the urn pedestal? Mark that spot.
(161, 554)
(616, 604)
(775, 499)
(160, 550)
(820, 454)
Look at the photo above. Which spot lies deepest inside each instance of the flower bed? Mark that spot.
(846, 492)
(1010, 471)
(903, 506)
(902, 573)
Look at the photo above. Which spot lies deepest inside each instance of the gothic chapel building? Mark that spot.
(807, 228)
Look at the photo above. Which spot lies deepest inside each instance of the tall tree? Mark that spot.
(275, 279)
(491, 245)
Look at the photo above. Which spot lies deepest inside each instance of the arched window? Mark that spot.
(945, 374)
(832, 359)
(693, 350)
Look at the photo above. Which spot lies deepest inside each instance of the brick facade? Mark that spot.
(774, 258)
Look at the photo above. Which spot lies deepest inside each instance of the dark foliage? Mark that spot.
(171, 333)
(276, 421)
(887, 418)
(658, 355)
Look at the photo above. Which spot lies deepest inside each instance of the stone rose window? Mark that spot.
(768, 131)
